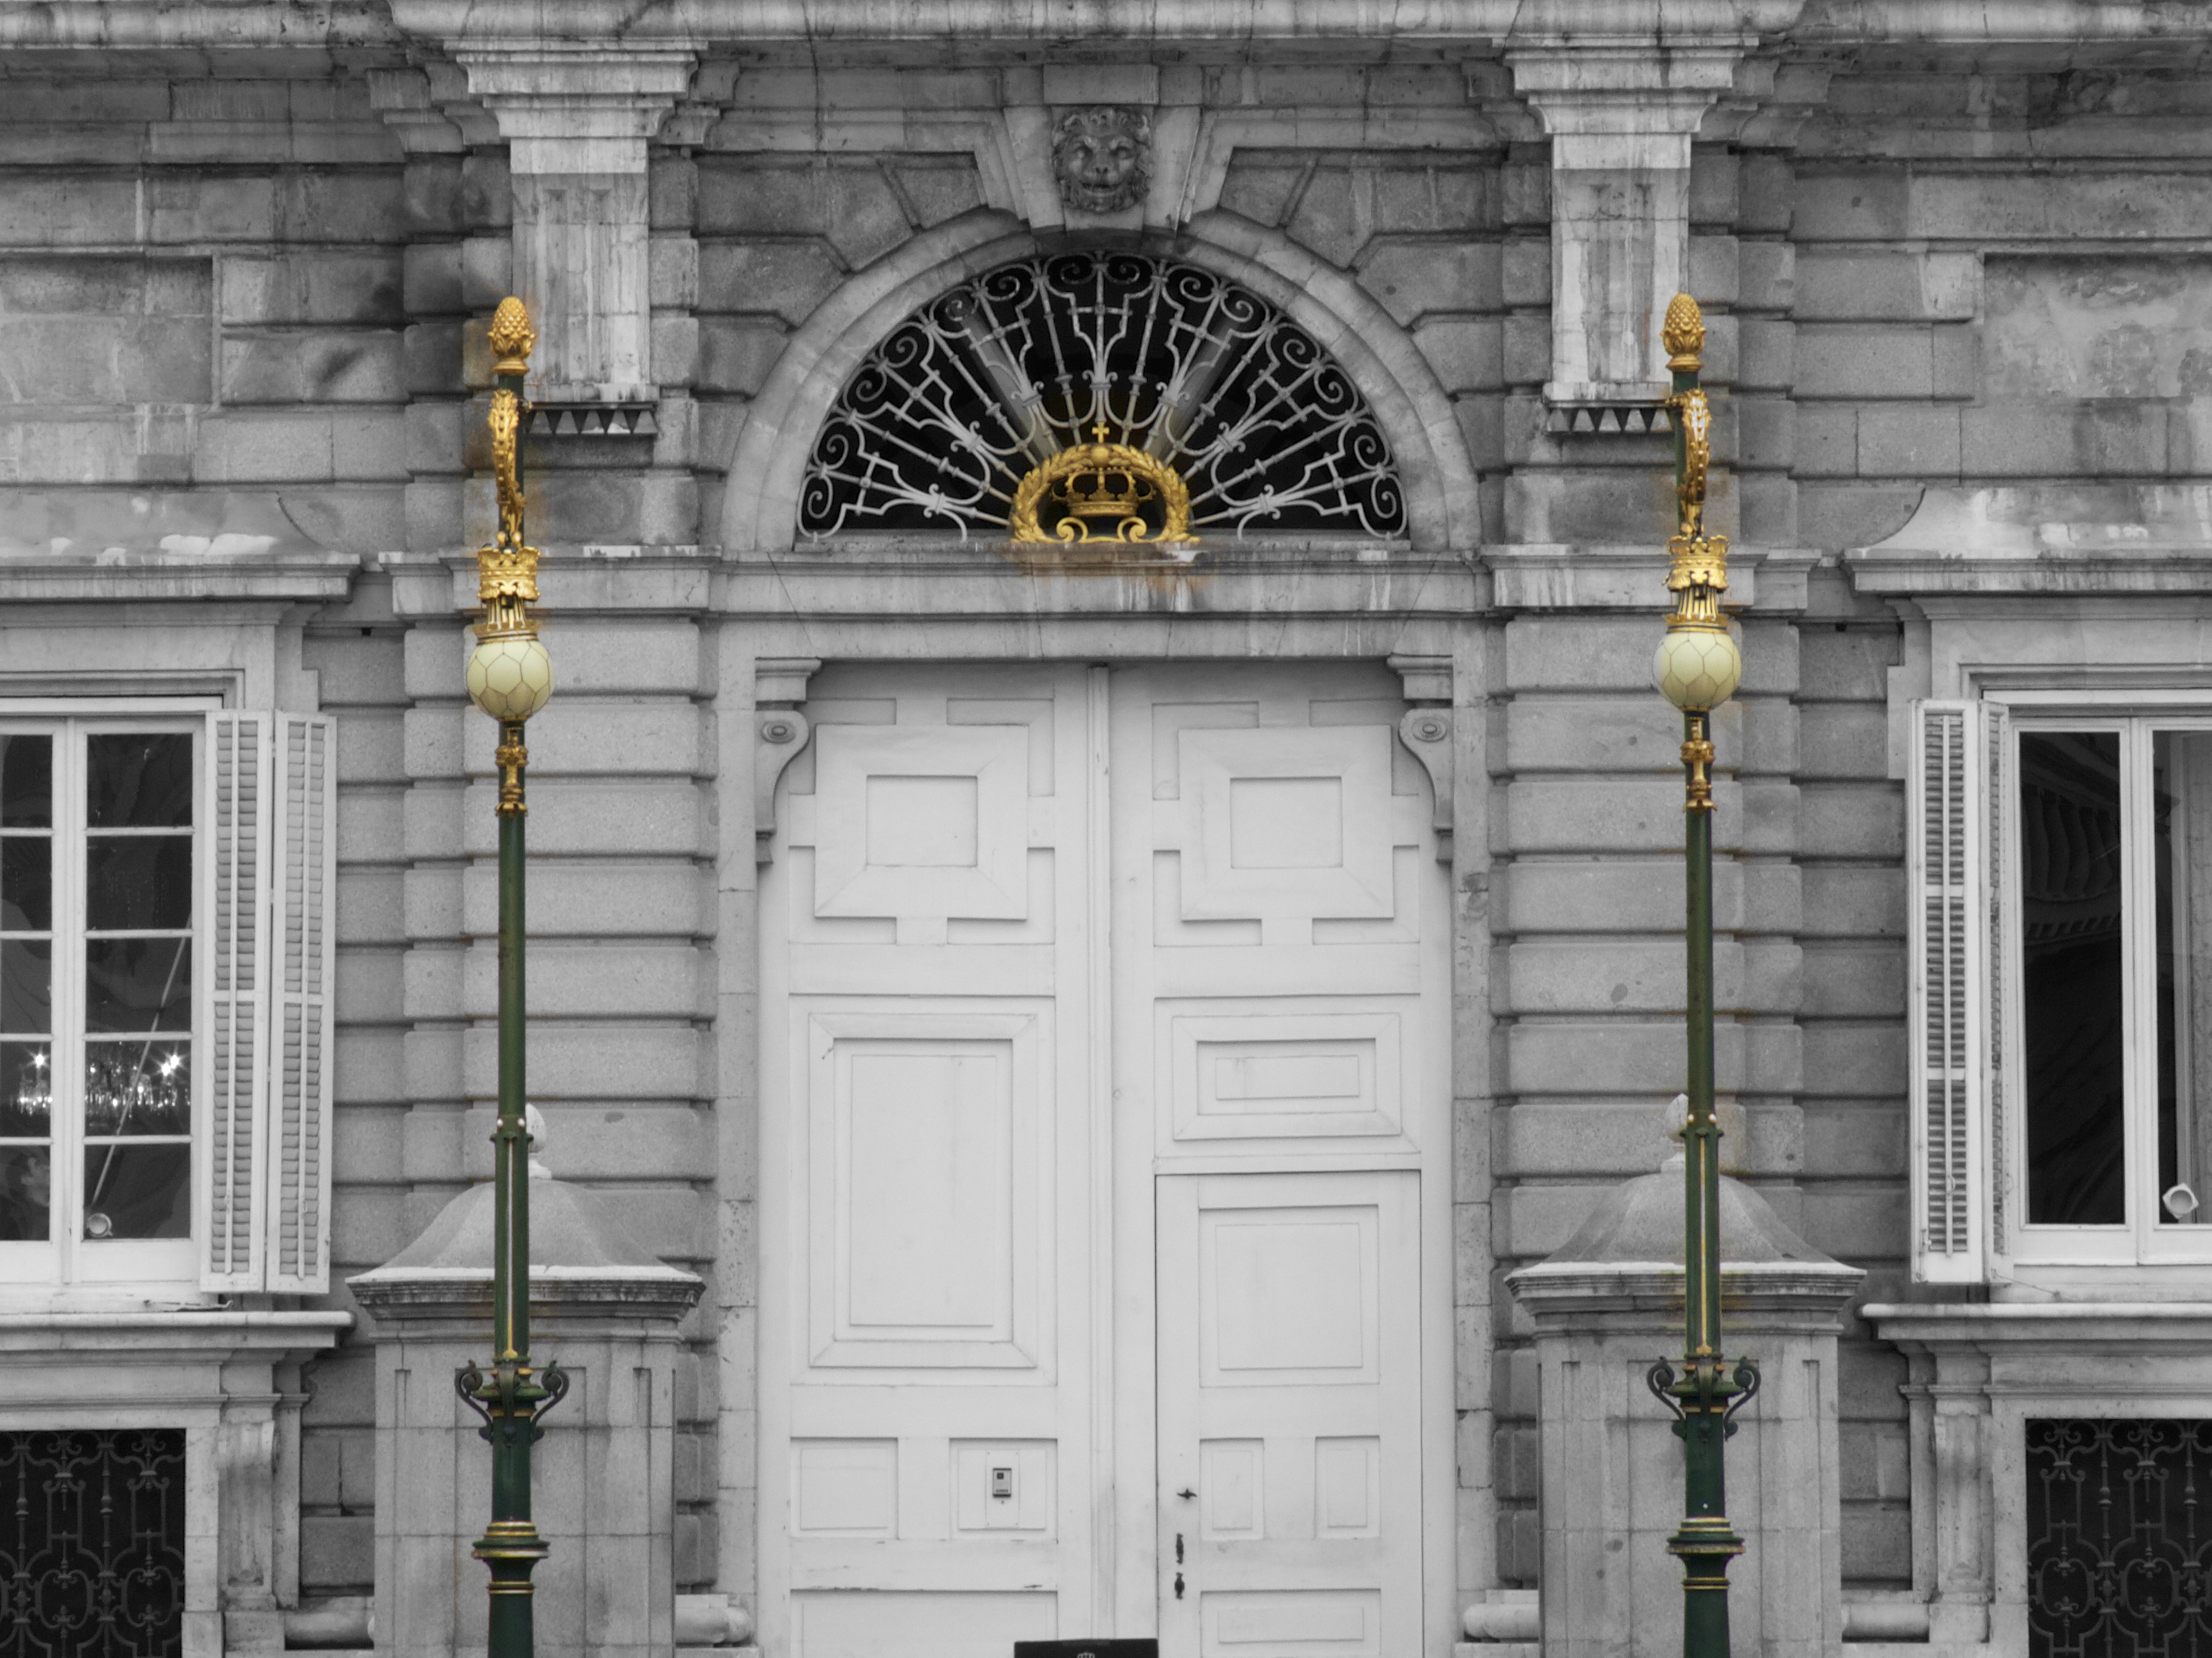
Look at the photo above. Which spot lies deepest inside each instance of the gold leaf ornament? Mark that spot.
(512, 337)
(1683, 333)
(1080, 481)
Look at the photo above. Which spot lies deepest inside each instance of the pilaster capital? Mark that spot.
(572, 109)
(1630, 87)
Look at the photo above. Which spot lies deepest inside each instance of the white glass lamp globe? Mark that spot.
(1696, 668)
(510, 678)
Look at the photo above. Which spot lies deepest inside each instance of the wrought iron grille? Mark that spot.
(937, 428)
(2119, 1541)
(92, 1544)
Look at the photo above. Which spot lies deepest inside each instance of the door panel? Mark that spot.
(1290, 1386)
(1281, 995)
(925, 1264)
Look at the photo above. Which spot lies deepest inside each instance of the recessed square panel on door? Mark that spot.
(922, 823)
(1290, 1389)
(1286, 822)
(928, 1166)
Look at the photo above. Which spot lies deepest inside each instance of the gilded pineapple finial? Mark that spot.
(1684, 333)
(513, 337)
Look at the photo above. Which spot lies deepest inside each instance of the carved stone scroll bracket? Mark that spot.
(1425, 729)
(780, 732)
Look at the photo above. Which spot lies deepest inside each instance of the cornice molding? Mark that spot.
(1009, 30)
(2081, 539)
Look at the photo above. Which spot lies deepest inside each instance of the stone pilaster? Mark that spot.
(1620, 118)
(577, 121)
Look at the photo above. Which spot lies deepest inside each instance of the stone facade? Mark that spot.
(1953, 264)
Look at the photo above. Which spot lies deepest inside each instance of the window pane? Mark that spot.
(26, 782)
(137, 984)
(2070, 881)
(26, 1180)
(137, 1191)
(27, 883)
(138, 1087)
(2181, 766)
(26, 986)
(27, 1091)
(137, 881)
(139, 781)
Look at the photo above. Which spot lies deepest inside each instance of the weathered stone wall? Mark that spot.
(260, 292)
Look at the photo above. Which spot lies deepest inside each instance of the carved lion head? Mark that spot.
(1103, 158)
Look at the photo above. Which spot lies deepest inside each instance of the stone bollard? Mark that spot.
(1606, 1306)
(603, 1498)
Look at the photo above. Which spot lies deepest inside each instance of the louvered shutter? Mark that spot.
(1948, 931)
(303, 950)
(235, 798)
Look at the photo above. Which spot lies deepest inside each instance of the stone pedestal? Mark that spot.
(1606, 1306)
(604, 1472)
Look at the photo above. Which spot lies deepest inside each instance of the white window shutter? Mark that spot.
(234, 823)
(1947, 927)
(303, 943)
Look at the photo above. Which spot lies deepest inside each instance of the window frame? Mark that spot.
(2139, 1241)
(64, 1268)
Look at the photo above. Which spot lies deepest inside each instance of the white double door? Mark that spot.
(1104, 1208)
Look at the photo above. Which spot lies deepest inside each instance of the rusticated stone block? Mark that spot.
(1856, 1139)
(596, 509)
(432, 189)
(431, 281)
(787, 278)
(43, 211)
(1854, 515)
(1855, 1060)
(736, 353)
(935, 188)
(1464, 351)
(1854, 979)
(1414, 279)
(1842, 740)
(1887, 287)
(1865, 359)
(1853, 900)
(296, 366)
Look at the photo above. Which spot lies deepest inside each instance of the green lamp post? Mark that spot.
(1698, 669)
(510, 678)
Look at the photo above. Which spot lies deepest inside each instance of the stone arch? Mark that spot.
(1403, 395)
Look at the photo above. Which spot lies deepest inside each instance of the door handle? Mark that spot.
(1186, 1493)
(1178, 1586)
(1178, 1548)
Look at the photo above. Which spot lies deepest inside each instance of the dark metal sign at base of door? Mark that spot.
(92, 1544)
(2119, 1538)
(1146, 1648)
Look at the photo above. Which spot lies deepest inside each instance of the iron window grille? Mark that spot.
(92, 1544)
(938, 426)
(2119, 1542)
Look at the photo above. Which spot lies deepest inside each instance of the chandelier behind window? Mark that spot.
(1100, 396)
